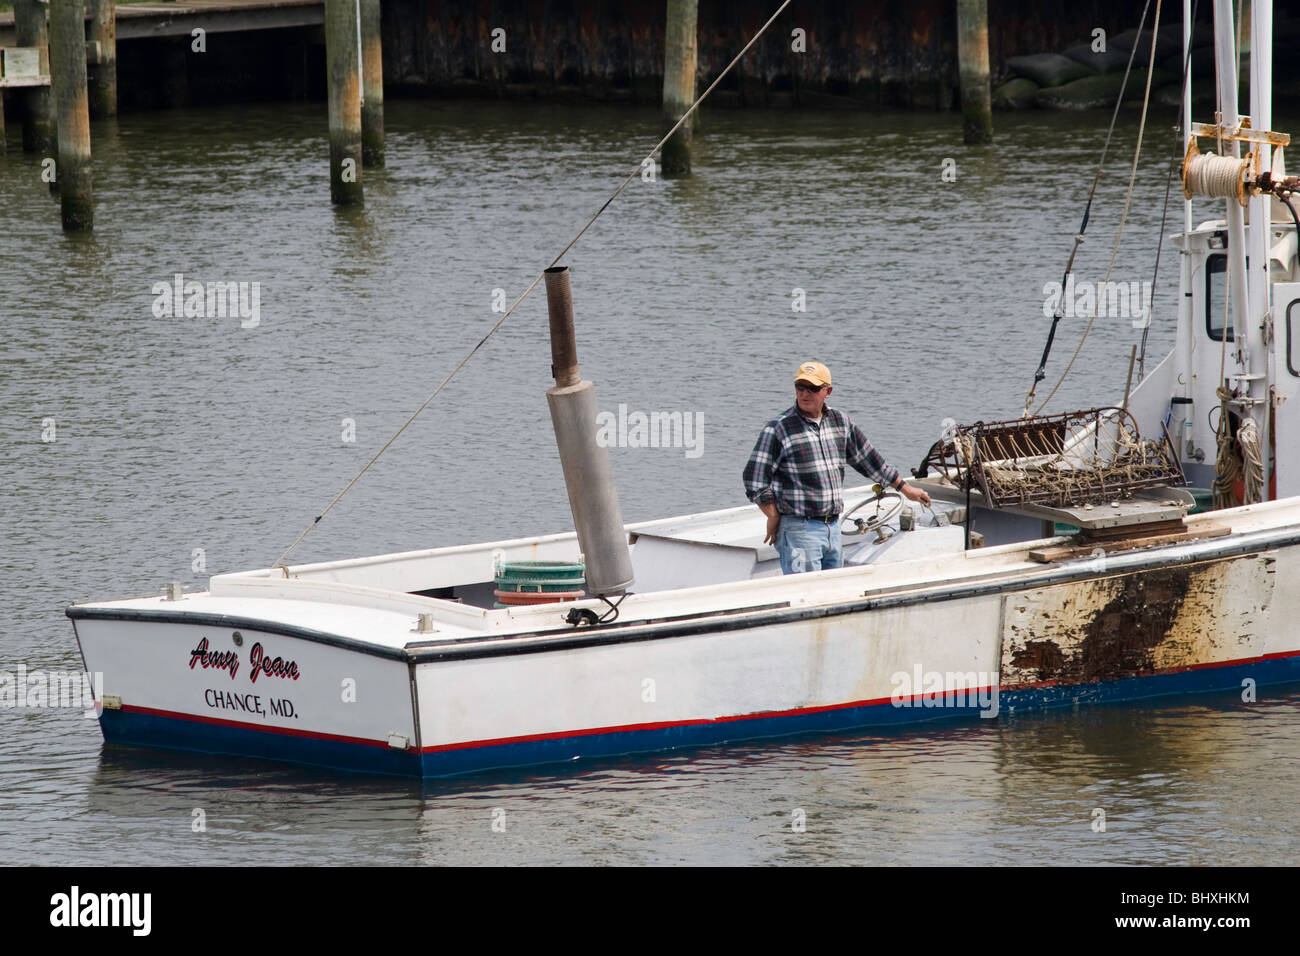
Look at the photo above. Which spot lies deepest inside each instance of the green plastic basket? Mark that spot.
(540, 576)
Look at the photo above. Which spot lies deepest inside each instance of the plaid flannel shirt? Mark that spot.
(799, 464)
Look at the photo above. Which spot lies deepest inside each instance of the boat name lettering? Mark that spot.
(221, 660)
(271, 666)
(229, 700)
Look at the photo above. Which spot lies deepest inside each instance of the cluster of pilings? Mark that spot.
(77, 82)
(54, 102)
(679, 76)
(680, 48)
(355, 80)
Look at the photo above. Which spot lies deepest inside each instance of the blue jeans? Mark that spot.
(806, 544)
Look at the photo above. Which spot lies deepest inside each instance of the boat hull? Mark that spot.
(483, 755)
(133, 726)
(1197, 618)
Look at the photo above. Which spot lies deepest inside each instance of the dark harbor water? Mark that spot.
(187, 440)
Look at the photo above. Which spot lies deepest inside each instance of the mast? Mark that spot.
(1225, 49)
(1186, 326)
(1242, 290)
(1261, 212)
(1187, 100)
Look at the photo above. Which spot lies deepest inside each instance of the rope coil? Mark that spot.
(1252, 459)
(1216, 177)
(1227, 458)
(1241, 459)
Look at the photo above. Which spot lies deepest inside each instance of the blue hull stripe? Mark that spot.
(153, 730)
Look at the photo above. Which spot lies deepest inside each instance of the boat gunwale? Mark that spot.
(78, 612)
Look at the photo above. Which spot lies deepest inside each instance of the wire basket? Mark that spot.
(1065, 460)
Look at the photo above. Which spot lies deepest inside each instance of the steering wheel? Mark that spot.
(888, 504)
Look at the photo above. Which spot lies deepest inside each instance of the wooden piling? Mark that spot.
(101, 76)
(344, 81)
(37, 102)
(372, 86)
(72, 112)
(679, 82)
(973, 65)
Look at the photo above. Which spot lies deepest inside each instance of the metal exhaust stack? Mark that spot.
(596, 515)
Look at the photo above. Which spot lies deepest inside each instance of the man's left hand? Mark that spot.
(915, 494)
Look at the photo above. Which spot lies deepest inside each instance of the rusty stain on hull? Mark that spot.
(1132, 625)
(1042, 656)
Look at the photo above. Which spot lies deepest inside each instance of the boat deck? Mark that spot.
(347, 600)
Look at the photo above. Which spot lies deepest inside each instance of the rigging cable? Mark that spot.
(1164, 212)
(1041, 372)
(572, 242)
(1294, 215)
(1123, 219)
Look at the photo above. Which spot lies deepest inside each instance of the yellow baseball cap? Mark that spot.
(814, 372)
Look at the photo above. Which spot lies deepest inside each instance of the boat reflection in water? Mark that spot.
(1170, 777)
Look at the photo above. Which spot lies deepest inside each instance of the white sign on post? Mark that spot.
(20, 62)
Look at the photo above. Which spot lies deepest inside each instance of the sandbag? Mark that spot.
(1015, 94)
(1094, 92)
(1108, 62)
(1169, 42)
(1137, 82)
(1202, 64)
(1172, 95)
(1048, 69)
(1088, 93)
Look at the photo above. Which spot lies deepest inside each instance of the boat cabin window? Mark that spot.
(1292, 319)
(1216, 290)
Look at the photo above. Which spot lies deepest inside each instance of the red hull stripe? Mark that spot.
(623, 728)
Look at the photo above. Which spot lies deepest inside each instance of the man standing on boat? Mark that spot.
(796, 472)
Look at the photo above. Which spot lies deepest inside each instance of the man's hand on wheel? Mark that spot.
(915, 494)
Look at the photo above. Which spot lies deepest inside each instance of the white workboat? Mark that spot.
(402, 664)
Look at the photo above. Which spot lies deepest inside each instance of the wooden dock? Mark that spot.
(142, 20)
